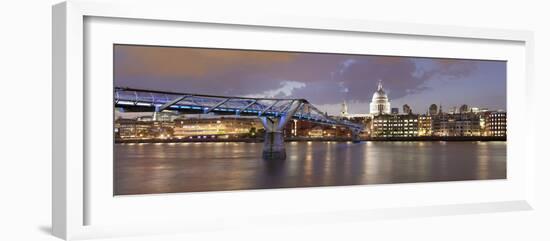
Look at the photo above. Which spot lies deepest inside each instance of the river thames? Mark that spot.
(193, 167)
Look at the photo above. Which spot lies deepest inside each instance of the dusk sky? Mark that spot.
(326, 80)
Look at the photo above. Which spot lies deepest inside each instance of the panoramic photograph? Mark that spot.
(190, 119)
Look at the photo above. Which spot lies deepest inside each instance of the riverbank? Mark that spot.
(339, 139)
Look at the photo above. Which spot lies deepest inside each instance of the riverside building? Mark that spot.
(395, 126)
(496, 123)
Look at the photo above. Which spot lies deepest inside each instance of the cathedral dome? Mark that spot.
(379, 94)
(380, 103)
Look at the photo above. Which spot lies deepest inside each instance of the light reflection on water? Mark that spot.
(185, 167)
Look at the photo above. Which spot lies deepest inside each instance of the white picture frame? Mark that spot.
(72, 189)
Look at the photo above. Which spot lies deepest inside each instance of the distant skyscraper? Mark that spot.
(433, 109)
(463, 108)
(407, 109)
(380, 103)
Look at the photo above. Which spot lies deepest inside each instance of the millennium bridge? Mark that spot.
(274, 113)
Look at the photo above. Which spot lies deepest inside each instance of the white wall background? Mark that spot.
(25, 78)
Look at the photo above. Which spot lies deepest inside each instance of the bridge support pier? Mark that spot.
(355, 136)
(274, 146)
(274, 142)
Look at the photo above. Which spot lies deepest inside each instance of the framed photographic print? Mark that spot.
(161, 117)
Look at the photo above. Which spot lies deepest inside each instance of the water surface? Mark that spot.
(192, 167)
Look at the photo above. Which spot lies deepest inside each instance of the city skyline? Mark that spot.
(326, 80)
(220, 120)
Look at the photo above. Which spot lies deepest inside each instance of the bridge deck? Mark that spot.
(138, 100)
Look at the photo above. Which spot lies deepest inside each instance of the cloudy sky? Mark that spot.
(326, 80)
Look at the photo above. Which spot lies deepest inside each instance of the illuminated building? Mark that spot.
(380, 103)
(425, 125)
(363, 119)
(130, 128)
(164, 116)
(395, 126)
(496, 123)
(303, 128)
(294, 128)
(467, 124)
(142, 128)
(316, 132)
(216, 127)
(298, 128)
